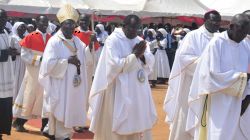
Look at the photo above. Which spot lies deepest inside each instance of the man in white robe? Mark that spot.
(121, 104)
(243, 130)
(187, 56)
(63, 76)
(218, 84)
(89, 39)
(6, 77)
(29, 101)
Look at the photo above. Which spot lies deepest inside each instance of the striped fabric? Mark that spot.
(6, 71)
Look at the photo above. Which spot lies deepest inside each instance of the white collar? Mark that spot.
(60, 35)
(225, 35)
(205, 31)
(248, 37)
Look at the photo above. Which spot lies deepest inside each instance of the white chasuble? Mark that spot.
(176, 100)
(118, 95)
(64, 101)
(221, 77)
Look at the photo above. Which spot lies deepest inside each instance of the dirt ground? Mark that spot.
(160, 130)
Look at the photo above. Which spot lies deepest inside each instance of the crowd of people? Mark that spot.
(65, 74)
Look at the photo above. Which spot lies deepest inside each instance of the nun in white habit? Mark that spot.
(161, 58)
(18, 31)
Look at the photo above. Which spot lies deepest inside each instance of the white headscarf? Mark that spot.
(101, 27)
(51, 28)
(30, 25)
(14, 28)
(186, 30)
(153, 32)
(163, 31)
(103, 35)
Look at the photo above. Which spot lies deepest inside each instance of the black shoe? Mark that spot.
(86, 128)
(44, 123)
(20, 128)
(50, 137)
(67, 139)
(14, 124)
(153, 85)
(78, 129)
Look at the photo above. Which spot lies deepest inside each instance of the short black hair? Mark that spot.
(128, 18)
(85, 16)
(207, 14)
(38, 17)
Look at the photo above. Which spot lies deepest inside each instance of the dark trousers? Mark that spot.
(5, 115)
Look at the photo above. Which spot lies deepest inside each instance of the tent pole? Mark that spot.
(92, 21)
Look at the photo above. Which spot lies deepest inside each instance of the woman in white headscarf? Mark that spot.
(182, 34)
(152, 43)
(161, 58)
(101, 36)
(18, 33)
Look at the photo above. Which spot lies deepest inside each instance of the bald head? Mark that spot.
(247, 12)
(131, 25)
(239, 27)
(240, 20)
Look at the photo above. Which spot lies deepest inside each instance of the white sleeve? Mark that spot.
(29, 57)
(57, 67)
(89, 56)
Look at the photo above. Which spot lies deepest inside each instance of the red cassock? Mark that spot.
(34, 41)
(85, 37)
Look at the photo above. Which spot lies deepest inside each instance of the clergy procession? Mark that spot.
(75, 77)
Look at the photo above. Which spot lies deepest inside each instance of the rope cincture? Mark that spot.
(204, 124)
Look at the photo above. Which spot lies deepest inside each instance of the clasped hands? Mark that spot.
(12, 52)
(139, 50)
(74, 60)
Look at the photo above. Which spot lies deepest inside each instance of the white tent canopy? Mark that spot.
(227, 8)
(153, 8)
(116, 7)
(143, 8)
(41, 6)
(173, 8)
